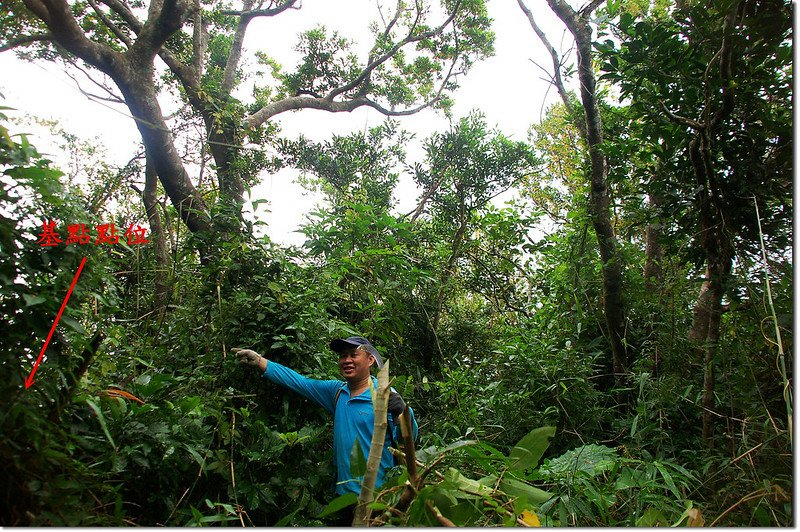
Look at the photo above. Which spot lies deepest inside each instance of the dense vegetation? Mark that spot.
(612, 347)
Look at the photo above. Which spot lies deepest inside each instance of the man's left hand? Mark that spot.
(396, 404)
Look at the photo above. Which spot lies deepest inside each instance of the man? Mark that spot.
(353, 415)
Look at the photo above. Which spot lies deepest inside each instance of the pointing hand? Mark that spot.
(247, 356)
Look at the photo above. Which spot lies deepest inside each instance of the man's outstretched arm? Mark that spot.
(319, 391)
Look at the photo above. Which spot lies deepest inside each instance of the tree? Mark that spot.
(712, 85)
(591, 128)
(414, 62)
(465, 169)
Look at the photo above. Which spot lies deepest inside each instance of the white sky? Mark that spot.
(507, 87)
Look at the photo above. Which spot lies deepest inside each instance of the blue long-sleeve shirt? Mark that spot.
(353, 421)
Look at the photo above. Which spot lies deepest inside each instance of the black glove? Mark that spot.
(396, 404)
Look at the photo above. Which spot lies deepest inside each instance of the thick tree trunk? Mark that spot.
(132, 71)
(137, 86)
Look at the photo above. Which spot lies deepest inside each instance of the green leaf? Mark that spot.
(652, 517)
(529, 450)
(33, 300)
(342, 501)
(358, 464)
(516, 488)
(102, 420)
(462, 483)
(73, 324)
(668, 479)
(591, 459)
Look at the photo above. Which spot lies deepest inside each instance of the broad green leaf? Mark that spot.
(529, 450)
(516, 488)
(73, 324)
(652, 517)
(342, 501)
(591, 459)
(33, 300)
(460, 482)
(426, 454)
(358, 464)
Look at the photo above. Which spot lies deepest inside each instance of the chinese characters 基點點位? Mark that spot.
(79, 234)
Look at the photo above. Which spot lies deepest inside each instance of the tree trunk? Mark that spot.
(137, 87)
(161, 283)
(706, 315)
(654, 253)
(654, 283)
(132, 71)
(599, 198)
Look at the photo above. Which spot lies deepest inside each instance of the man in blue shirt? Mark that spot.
(350, 401)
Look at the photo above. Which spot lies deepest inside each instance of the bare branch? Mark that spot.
(409, 38)
(591, 6)
(65, 30)
(235, 54)
(26, 39)
(199, 40)
(113, 27)
(295, 103)
(122, 9)
(39, 9)
(112, 97)
(557, 63)
(270, 12)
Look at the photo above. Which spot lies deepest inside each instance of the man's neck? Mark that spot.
(358, 386)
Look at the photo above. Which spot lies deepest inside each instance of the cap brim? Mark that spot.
(338, 345)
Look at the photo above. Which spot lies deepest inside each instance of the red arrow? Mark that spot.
(29, 380)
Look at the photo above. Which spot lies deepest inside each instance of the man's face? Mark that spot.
(354, 364)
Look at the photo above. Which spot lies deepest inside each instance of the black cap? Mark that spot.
(340, 345)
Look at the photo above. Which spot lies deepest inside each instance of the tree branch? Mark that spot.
(235, 54)
(164, 18)
(688, 122)
(199, 42)
(556, 79)
(65, 30)
(295, 103)
(112, 97)
(187, 75)
(591, 6)
(409, 38)
(269, 12)
(26, 39)
(113, 27)
(725, 71)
